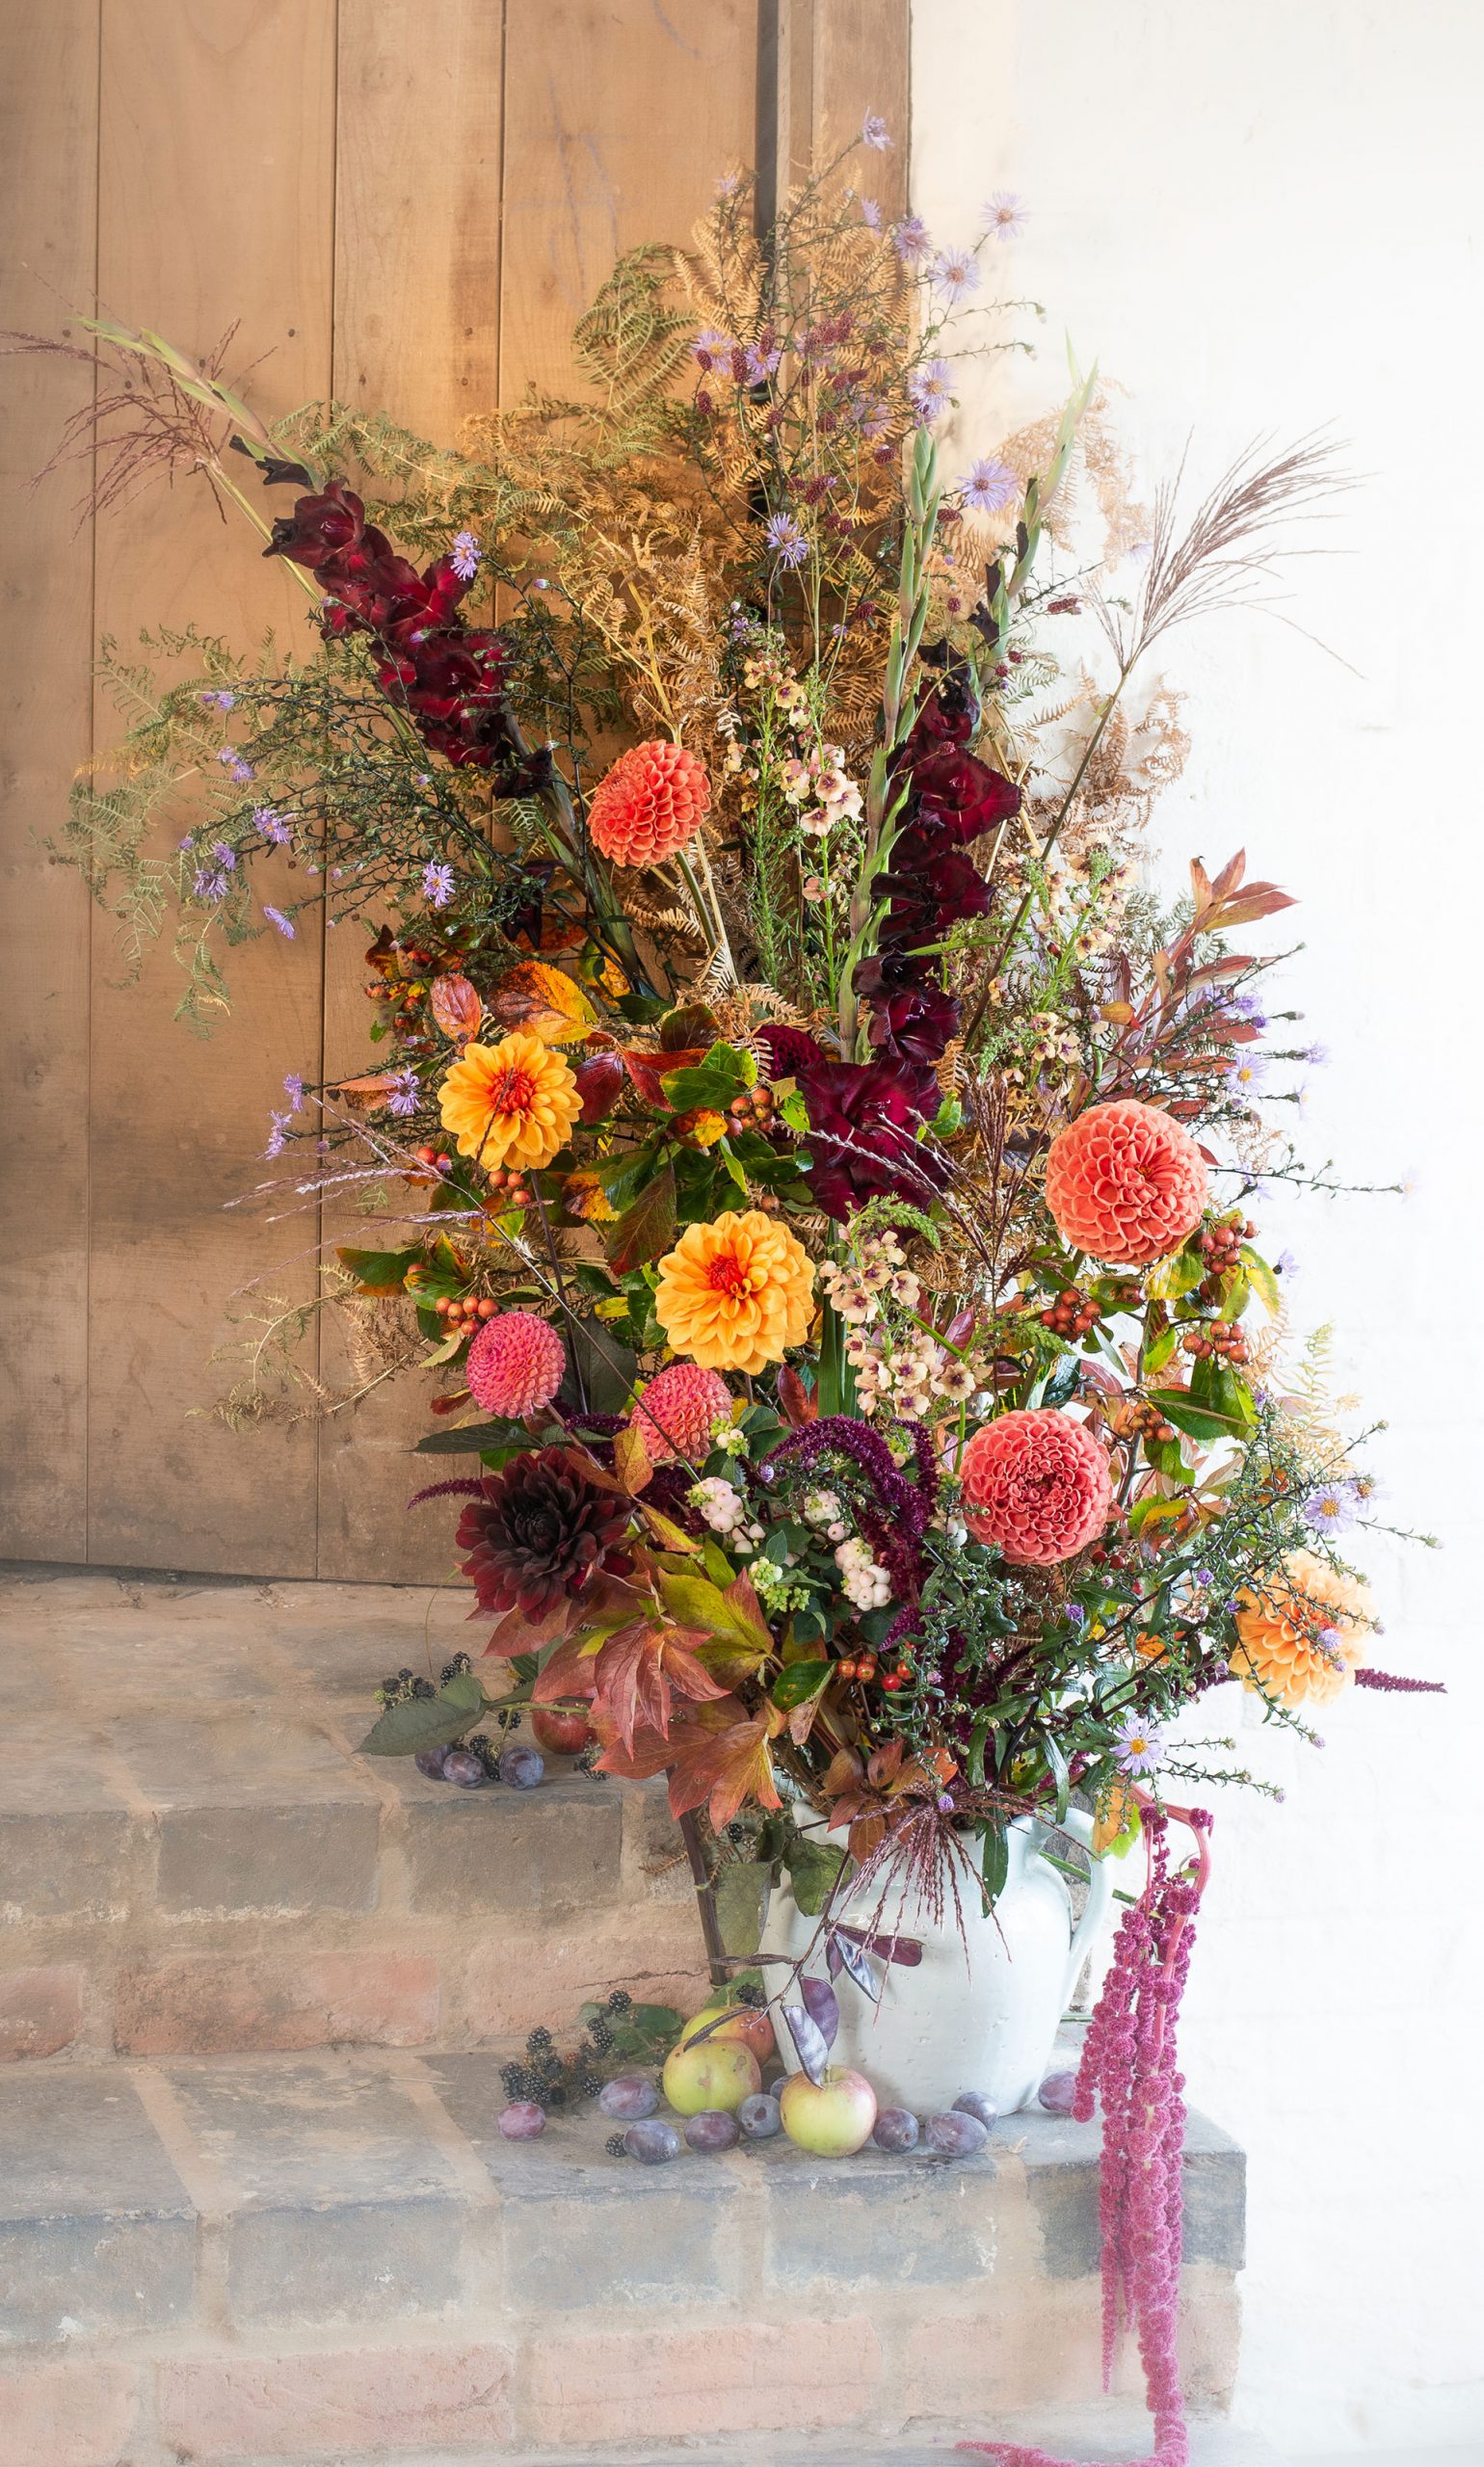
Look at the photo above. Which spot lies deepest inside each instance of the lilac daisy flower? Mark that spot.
(1004, 216)
(1248, 1007)
(275, 916)
(1285, 1268)
(189, 841)
(955, 273)
(989, 485)
(219, 698)
(242, 772)
(930, 388)
(874, 132)
(786, 541)
(760, 364)
(912, 239)
(465, 555)
(271, 826)
(1140, 1746)
(293, 1088)
(1331, 1509)
(211, 885)
(437, 885)
(1248, 1075)
(871, 214)
(1316, 1054)
(224, 854)
(729, 183)
(277, 1125)
(405, 1092)
(711, 345)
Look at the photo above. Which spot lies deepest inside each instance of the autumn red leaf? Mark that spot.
(642, 1670)
(456, 1007)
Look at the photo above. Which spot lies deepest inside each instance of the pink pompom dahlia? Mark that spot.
(516, 1364)
(677, 1410)
(1126, 1183)
(651, 803)
(1037, 1486)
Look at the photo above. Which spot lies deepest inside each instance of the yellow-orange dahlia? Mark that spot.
(511, 1104)
(650, 804)
(1303, 1635)
(735, 1295)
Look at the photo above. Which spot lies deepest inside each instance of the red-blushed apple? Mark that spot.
(752, 2030)
(719, 2073)
(833, 2118)
(561, 1733)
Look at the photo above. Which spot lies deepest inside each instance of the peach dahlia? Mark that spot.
(1126, 1183)
(1302, 1632)
(516, 1363)
(1037, 1486)
(676, 1411)
(650, 804)
(511, 1104)
(735, 1294)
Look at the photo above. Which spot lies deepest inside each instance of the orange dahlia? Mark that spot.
(511, 1104)
(1037, 1485)
(1126, 1183)
(1302, 1633)
(737, 1294)
(650, 804)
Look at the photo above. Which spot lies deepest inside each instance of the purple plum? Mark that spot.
(1057, 2092)
(714, 2129)
(652, 2141)
(954, 2135)
(761, 2116)
(973, 2103)
(896, 2130)
(630, 2097)
(522, 2121)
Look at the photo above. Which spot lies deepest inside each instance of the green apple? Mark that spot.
(833, 2117)
(719, 2073)
(752, 2028)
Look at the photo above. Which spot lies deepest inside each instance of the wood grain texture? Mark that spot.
(417, 333)
(861, 64)
(620, 117)
(48, 148)
(215, 201)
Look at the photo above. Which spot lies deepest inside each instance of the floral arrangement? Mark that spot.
(818, 1174)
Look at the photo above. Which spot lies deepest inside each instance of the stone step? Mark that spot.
(333, 2257)
(1110, 2432)
(194, 1858)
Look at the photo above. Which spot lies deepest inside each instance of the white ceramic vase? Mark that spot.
(984, 2018)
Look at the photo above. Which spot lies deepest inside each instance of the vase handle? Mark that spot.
(1100, 1896)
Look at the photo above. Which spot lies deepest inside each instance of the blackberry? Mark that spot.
(587, 1762)
(454, 1669)
(588, 2085)
(488, 1755)
(736, 1835)
(539, 2041)
(513, 2081)
(602, 2038)
(422, 1687)
(405, 1673)
(756, 1996)
(555, 2095)
(619, 2001)
(614, 2145)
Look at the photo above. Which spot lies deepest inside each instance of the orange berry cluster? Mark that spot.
(465, 1313)
(866, 1667)
(753, 1110)
(436, 1159)
(1071, 1315)
(1149, 1423)
(1221, 1243)
(515, 1192)
(1216, 1337)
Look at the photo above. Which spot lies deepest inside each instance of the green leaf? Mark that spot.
(1263, 1283)
(1197, 1422)
(1157, 1353)
(1059, 1774)
(427, 1721)
(722, 1075)
(812, 1868)
(798, 1683)
(996, 1864)
(378, 1271)
(1180, 1273)
(694, 1602)
(738, 1893)
(647, 1229)
(473, 1439)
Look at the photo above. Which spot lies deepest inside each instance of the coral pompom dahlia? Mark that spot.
(677, 1410)
(1037, 1486)
(735, 1294)
(1126, 1183)
(652, 801)
(516, 1364)
(1302, 1632)
(511, 1104)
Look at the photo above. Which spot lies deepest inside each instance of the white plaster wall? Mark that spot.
(1261, 219)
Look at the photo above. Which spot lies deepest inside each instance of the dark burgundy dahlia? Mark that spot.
(864, 1123)
(538, 1534)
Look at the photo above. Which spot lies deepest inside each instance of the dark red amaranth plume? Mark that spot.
(1395, 1684)
(1128, 2063)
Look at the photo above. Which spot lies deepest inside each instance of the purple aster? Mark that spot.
(786, 541)
(1246, 1006)
(437, 885)
(226, 755)
(989, 485)
(1286, 1266)
(465, 555)
(912, 239)
(729, 183)
(930, 388)
(404, 1094)
(275, 916)
(1248, 1075)
(189, 841)
(277, 1125)
(1005, 217)
(293, 1089)
(1140, 1746)
(271, 826)
(955, 273)
(871, 214)
(1316, 1054)
(219, 698)
(1331, 1643)
(211, 886)
(711, 345)
(242, 772)
(760, 364)
(1331, 1509)
(875, 133)
(224, 854)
